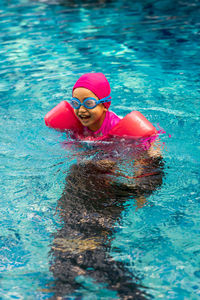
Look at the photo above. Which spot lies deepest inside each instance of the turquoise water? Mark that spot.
(149, 51)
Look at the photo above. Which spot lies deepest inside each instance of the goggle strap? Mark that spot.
(106, 99)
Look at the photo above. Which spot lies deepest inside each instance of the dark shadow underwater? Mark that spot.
(90, 209)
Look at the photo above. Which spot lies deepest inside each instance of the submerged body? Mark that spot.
(90, 209)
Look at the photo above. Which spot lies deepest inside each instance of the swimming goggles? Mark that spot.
(88, 103)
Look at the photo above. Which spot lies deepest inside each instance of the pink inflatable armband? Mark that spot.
(133, 125)
(62, 117)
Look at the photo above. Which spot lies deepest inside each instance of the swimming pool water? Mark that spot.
(149, 51)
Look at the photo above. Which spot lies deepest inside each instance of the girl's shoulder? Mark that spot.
(112, 118)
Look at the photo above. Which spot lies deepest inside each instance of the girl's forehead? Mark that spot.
(82, 93)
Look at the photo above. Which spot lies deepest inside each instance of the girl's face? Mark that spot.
(91, 118)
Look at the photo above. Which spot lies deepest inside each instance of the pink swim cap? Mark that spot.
(96, 83)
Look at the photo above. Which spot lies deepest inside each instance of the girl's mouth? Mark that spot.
(82, 117)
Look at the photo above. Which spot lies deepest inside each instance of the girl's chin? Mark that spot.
(85, 122)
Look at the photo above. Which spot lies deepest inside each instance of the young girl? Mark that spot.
(91, 100)
(93, 200)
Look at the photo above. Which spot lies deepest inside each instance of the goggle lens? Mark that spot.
(75, 104)
(90, 103)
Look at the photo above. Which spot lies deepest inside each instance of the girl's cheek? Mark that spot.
(76, 112)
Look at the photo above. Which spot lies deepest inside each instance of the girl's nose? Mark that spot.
(82, 108)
